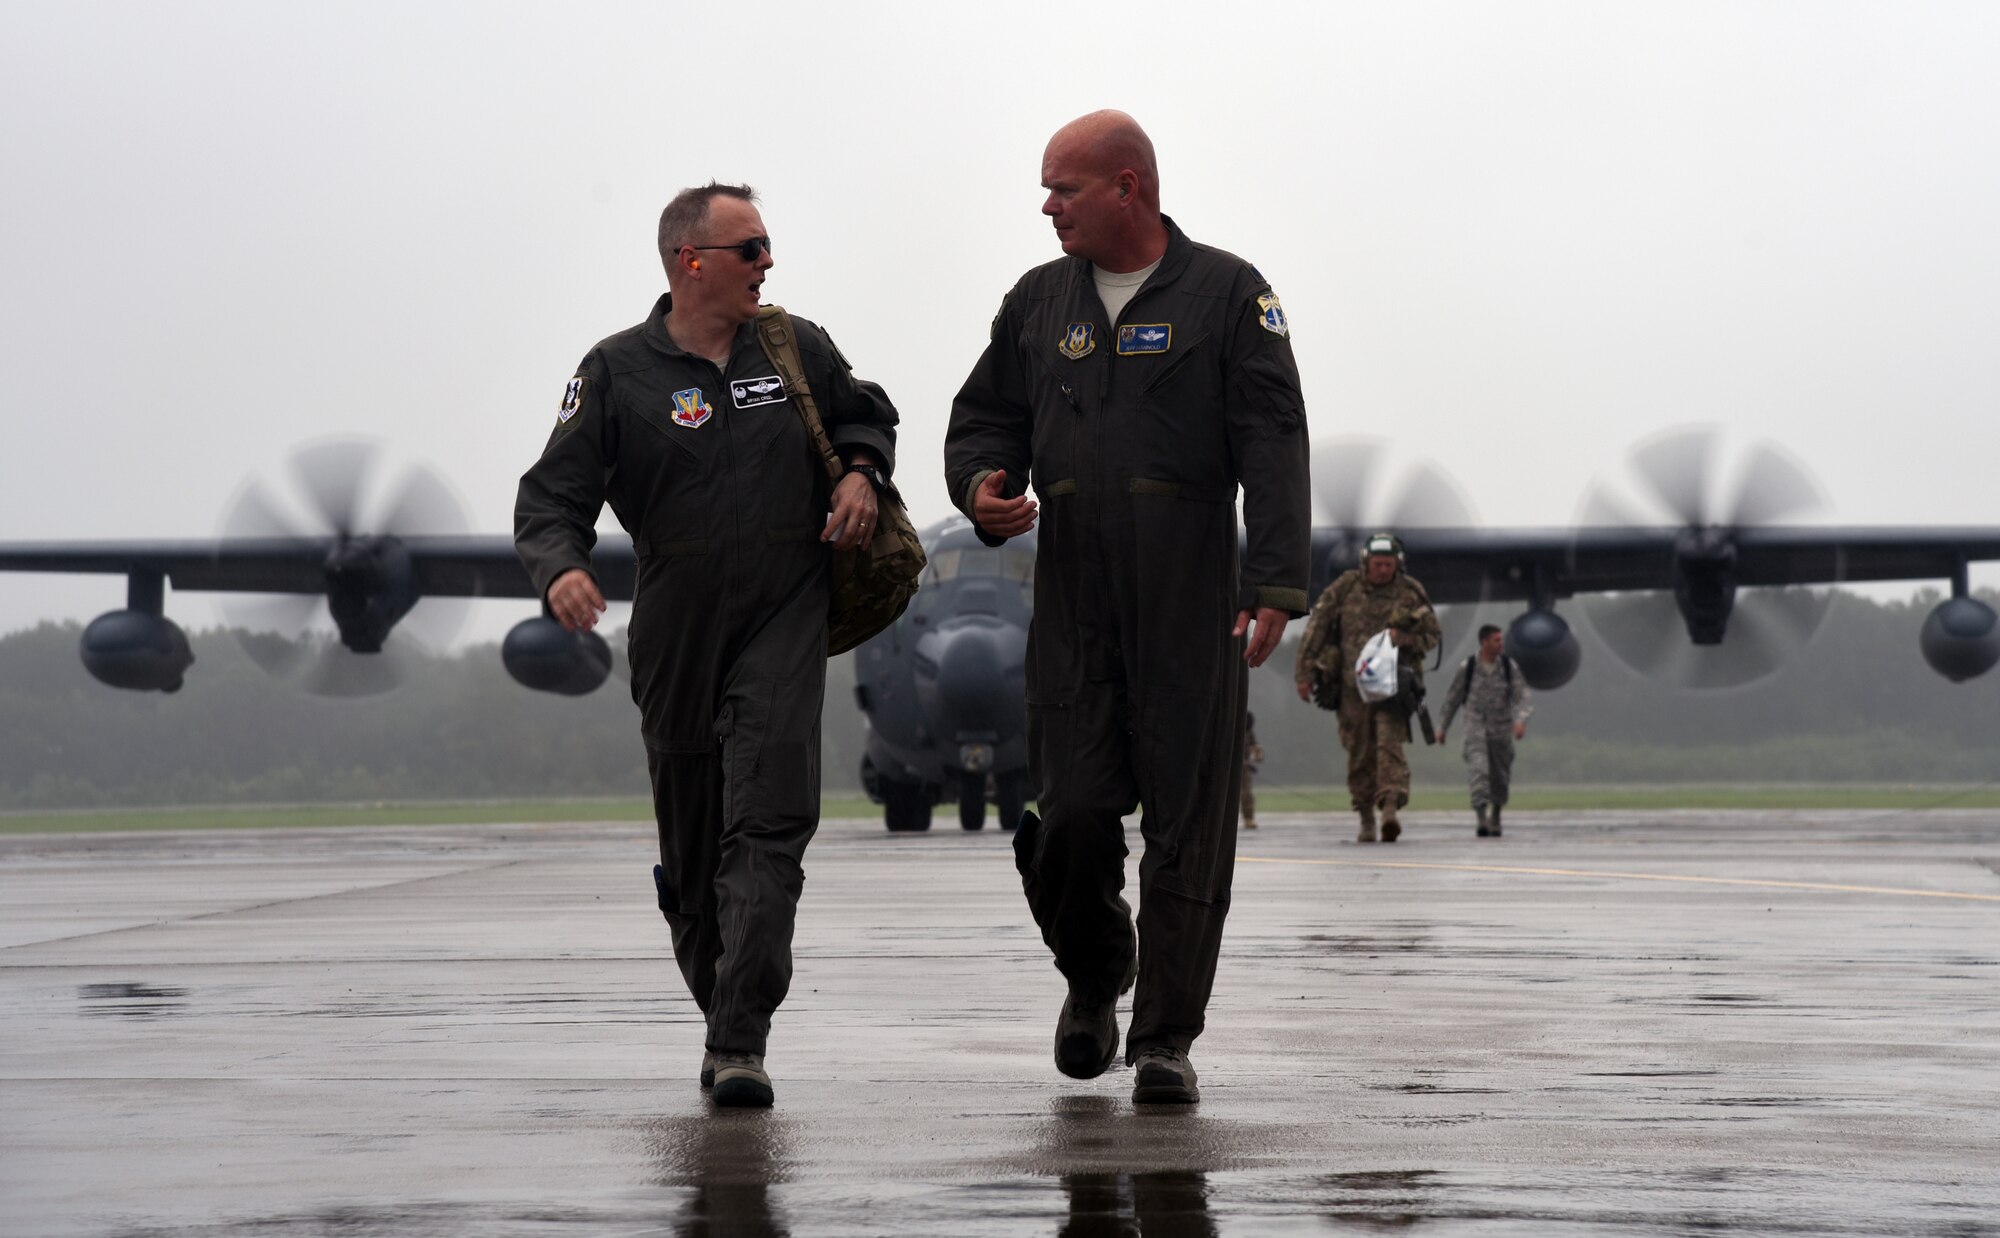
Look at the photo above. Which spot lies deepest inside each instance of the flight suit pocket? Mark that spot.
(771, 758)
(1184, 566)
(1184, 355)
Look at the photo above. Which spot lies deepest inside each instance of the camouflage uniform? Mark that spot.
(1347, 615)
(1494, 698)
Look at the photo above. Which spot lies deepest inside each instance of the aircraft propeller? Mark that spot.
(1357, 491)
(1709, 631)
(339, 492)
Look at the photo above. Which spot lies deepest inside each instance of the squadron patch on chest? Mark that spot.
(1271, 315)
(572, 401)
(1145, 337)
(691, 408)
(750, 392)
(1079, 341)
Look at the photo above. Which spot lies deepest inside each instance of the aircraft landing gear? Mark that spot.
(971, 800)
(1011, 790)
(905, 807)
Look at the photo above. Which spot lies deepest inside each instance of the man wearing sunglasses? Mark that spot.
(682, 425)
(1139, 382)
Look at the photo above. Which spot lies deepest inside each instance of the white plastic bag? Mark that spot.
(1375, 669)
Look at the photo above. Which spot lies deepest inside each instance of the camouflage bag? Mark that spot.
(872, 584)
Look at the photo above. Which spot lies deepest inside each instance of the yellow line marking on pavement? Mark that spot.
(1580, 872)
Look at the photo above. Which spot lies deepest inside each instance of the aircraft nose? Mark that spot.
(979, 688)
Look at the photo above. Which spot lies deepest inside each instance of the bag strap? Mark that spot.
(781, 346)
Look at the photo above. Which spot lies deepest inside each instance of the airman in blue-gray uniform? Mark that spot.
(1497, 704)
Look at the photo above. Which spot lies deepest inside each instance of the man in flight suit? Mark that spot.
(1353, 609)
(1136, 382)
(681, 424)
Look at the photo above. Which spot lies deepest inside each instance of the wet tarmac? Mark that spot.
(1609, 1023)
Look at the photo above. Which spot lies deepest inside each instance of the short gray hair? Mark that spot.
(682, 221)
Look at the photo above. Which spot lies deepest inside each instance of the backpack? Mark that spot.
(873, 583)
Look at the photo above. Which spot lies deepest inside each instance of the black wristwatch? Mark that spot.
(873, 474)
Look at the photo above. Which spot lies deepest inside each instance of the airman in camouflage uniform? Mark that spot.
(1353, 609)
(1497, 704)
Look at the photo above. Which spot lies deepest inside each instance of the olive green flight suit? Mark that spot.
(712, 473)
(1135, 435)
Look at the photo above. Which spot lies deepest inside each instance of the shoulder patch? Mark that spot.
(572, 401)
(1271, 315)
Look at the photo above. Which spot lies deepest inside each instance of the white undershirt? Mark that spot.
(1115, 288)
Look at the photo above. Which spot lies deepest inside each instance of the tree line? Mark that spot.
(1856, 703)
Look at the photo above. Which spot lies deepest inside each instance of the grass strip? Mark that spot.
(1269, 800)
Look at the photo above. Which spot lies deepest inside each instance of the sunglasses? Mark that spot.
(746, 250)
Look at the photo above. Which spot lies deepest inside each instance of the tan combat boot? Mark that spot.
(1391, 828)
(1367, 834)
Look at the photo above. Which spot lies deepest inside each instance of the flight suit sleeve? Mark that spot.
(1315, 638)
(992, 421)
(556, 506)
(1267, 437)
(856, 413)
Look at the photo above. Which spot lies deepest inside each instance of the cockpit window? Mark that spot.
(1014, 565)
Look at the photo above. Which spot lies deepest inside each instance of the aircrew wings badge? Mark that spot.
(1078, 341)
(572, 400)
(1271, 315)
(690, 409)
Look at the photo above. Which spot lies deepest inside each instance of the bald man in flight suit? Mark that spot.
(1137, 382)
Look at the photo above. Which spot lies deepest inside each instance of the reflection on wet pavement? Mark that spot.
(476, 1031)
(729, 1160)
(1162, 1205)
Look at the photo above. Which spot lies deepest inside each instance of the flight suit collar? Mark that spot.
(1172, 263)
(662, 343)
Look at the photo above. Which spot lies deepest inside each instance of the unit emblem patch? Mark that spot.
(690, 409)
(750, 392)
(1271, 315)
(1144, 337)
(1079, 341)
(572, 400)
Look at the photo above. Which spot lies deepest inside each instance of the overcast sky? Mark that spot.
(1511, 238)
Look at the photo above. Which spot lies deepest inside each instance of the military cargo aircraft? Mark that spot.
(942, 689)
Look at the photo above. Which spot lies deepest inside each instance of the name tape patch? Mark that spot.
(750, 392)
(1145, 337)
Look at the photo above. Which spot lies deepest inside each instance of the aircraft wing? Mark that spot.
(439, 566)
(1540, 565)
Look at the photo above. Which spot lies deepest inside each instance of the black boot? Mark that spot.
(1496, 822)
